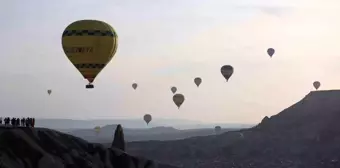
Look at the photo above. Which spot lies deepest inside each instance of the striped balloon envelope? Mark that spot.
(89, 45)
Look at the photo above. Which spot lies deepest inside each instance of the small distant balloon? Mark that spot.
(147, 118)
(134, 86)
(218, 129)
(178, 99)
(316, 85)
(227, 71)
(173, 89)
(97, 129)
(198, 81)
(270, 52)
(49, 91)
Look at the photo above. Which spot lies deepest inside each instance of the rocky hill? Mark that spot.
(306, 134)
(44, 148)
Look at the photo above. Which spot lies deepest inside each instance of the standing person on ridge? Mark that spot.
(17, 122)
(23, 122)
(13, 122)
(27, 122)
(6, 121)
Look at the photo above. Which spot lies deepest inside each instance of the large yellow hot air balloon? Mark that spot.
(89, 45)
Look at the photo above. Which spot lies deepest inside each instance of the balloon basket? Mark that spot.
(89, 86)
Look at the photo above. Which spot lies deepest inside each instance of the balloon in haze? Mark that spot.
(227, 71)
(198, 81)
(218, 129)
(134, 86)
(173, 89)
(97, 129)
(147, 118)
(270, 52)
(49, 91)
(241, 135)
(178, 99)
(316, 85)
(89, 45)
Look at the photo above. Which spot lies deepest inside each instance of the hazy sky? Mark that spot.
(164, 43)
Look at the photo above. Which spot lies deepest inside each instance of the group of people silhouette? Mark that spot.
(16, 122)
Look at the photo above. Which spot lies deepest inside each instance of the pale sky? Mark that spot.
(164, 43)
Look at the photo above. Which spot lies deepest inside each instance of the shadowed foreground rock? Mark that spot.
(45, 148)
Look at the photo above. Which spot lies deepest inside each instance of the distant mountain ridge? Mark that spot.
(305, 134)
(69, 124)
(141, 134)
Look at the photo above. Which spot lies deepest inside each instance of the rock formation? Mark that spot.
(118, 141)
(45, 148)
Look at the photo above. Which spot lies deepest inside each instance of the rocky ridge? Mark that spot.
(24, 147)
(306, 134)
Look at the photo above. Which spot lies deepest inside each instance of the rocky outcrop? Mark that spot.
(118, 141)
(45, 148)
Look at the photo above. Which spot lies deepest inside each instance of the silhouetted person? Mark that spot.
(6, 121)
(22, 122)
(30, 122)
(0, 120)
(17, 122)
(118, 141)
(13, 122)
(33, 122)
(27, 122)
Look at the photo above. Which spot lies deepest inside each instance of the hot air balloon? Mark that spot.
(178, 99)
(97, 129)
(134, 86)
(198, 81)
(316, 85)
(147, 118)
(173, 89)
(218, 129)
(270, 52)
(227, 71)
(89, 45)
(49, 91)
